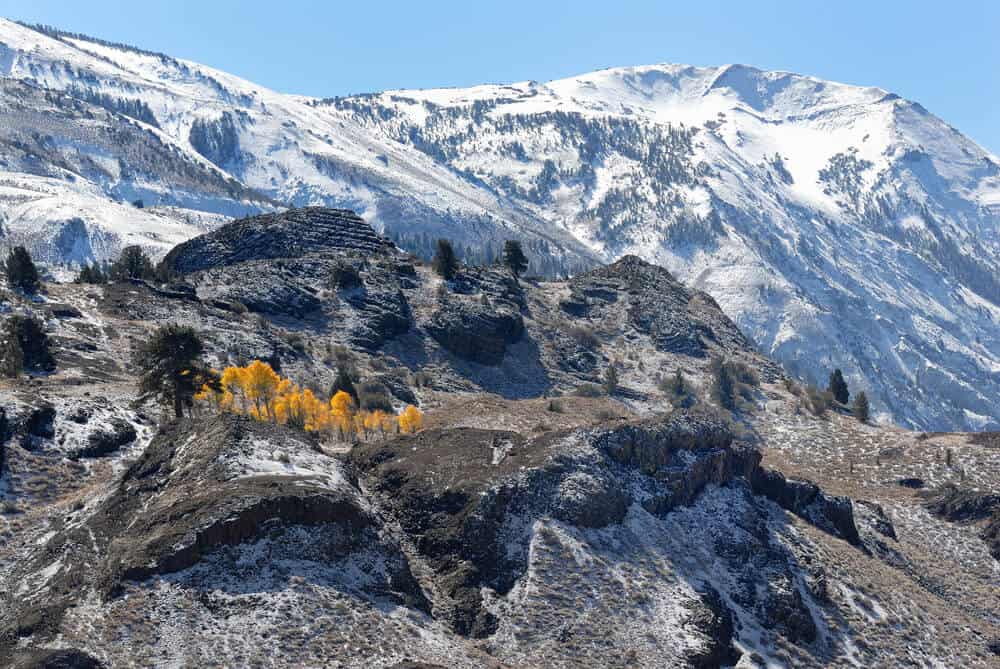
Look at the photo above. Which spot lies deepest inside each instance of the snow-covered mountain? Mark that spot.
(838, 225)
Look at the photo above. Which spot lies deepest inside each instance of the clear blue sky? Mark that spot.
(945, 55)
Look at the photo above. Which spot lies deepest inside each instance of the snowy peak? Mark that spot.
(840, 226)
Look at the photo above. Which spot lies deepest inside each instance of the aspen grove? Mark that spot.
(256, 390)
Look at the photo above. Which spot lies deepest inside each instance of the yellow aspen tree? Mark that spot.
(410, 420)
(260, 383)
(232, 385)
(341, 411)
(373, 421)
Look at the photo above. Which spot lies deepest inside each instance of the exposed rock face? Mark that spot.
(29, 425)
(197, 490)
(482, 318)
(470, 523)
(292, 234)
(106, 440)
(804, 498)
(325, 267)
(715, 621)
(69, 658)
(678, 319)
(475, 332)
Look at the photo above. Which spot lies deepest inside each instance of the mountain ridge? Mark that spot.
(839, 225)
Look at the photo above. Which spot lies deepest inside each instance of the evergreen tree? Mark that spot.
(344, 382)
(11, 355)
(838, 387)
(133, 263)
(445, 263)
(723, 387)
(860, 408)
(21, 271)
(92, 274)
(171, 366)
(675, 385)
(514, 258)
(611, 379)
(25, 346)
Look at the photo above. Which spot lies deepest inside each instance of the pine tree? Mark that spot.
(11, 355)
(344, 382)
(611, 379)
(25, 346)
(133, 263)
(514, 258)
(723, 388)
(21, 271)
(838, 387)
(171, 366)
(92, 274)
(445, 263)
(676, 384)
(860, 408)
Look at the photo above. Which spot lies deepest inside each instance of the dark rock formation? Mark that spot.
(481, 318)
(291, 234)
(715, 621)
(804, 498)
(179, 503)
(473, 331)
(67, 658)
(466, 524)
(107, 440)
(29, 425)
(678, 319)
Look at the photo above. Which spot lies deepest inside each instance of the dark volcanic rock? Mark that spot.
(715, 621)
(199, 489)
(678, 320)
(475, 332)
(804, 498)
(383, 313)
(291, 234)
(29, 425)
(67, 658)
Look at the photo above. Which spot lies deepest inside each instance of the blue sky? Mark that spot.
(944, 55)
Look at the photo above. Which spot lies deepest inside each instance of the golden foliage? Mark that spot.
(256, 390)
(410, 420)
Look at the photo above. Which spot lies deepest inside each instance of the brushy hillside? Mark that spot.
(694, 507)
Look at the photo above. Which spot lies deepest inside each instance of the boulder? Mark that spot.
(106, 440)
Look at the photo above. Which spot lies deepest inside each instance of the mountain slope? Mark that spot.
(531, 522)
(838, 225)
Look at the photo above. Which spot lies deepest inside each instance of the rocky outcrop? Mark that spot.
(291, 234)
(470, 525)
(805, 499)
(677, 319)
(65, 658)
(28, 425)
(105, 440)
(474, 331)
(714, 620)
(201, 488)
(480, 317)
